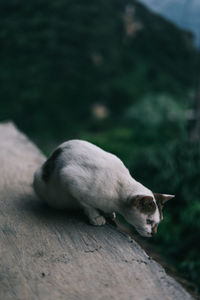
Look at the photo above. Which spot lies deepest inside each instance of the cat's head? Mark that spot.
(145, 212)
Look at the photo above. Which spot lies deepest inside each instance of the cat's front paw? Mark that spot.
(98, 221)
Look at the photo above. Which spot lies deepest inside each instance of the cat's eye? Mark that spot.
(149, 221)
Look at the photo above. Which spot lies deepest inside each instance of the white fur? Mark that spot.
(87, 176)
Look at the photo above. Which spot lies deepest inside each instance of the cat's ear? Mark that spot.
(162, 198)
(143, 203)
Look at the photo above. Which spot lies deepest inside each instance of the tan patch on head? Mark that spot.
(145, 204)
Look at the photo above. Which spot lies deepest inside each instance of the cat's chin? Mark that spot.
(144, 234)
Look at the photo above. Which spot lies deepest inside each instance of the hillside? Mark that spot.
(59, 58)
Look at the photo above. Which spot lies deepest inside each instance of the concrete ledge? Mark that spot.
(47, 254)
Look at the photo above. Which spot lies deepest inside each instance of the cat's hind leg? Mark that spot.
(95, 218)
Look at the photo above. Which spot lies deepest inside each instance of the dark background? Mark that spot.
(117, 75)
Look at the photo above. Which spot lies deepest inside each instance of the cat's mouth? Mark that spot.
(143, 233)
(127, 227)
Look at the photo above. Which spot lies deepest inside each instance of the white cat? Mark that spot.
(80, 174)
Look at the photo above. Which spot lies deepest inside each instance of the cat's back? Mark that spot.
(85, 154)
(82, 148)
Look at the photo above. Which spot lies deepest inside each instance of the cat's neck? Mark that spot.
(131, 187)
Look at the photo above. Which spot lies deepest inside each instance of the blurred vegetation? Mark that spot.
(117, 75)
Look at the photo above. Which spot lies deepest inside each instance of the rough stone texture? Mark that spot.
(46, 254)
